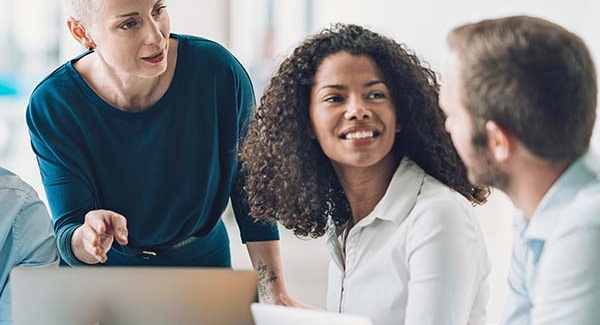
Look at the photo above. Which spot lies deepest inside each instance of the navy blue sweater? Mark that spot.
(169, 169)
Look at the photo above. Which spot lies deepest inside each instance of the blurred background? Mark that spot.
(260, 33)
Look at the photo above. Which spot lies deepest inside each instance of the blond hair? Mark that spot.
(82, 10)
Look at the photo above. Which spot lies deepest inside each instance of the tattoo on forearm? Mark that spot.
(265, 278)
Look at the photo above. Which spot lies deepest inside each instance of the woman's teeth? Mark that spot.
(359, 135)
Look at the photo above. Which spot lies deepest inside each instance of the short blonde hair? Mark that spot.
(82, 10)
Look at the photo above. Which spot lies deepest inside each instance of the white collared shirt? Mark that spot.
(554, 277)
(417, 258)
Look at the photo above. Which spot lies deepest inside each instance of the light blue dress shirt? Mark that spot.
(26, 236)
(554, 277)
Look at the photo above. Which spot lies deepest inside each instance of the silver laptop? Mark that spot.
(277, 315)
(114, 295)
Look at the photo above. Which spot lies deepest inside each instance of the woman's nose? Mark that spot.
(357, 110)
(153, 33)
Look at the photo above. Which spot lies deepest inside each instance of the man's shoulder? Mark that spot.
(10, 182)
(15, 194)
(585, 207)
(580, 215)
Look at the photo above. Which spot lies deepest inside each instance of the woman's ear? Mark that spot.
(79, 32)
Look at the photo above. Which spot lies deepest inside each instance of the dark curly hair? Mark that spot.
(289, 178)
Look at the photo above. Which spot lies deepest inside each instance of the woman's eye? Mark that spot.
(376, 95)
(128, 24)
(159, 10)
(333, 99)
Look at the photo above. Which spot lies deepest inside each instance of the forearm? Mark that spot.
(266, 260)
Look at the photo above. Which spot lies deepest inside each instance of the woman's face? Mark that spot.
(132, 36)
(351, 111)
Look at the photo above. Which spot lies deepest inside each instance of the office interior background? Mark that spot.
(260, 33)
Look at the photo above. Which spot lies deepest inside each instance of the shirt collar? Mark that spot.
(399, 198)
(4, 172)
(548, 212)
(395, 205)
(401, 195)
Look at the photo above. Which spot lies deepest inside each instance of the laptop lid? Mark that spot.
(115, 295)
(277, 315)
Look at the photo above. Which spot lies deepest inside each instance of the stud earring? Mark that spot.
(88, 44)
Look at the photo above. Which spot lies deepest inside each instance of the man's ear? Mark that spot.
(80, 33)
(500, 141)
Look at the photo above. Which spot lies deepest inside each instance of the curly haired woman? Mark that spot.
(348, 141)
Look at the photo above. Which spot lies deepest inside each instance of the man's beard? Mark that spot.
(483, 170)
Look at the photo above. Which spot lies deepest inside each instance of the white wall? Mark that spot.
(209, 19)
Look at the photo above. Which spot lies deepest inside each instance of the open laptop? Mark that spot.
(277, 315)
(115, 295)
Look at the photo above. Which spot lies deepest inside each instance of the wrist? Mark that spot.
(78, 250)
(277, 294)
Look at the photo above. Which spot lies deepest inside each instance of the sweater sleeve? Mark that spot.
(250, 228)
(62, 166)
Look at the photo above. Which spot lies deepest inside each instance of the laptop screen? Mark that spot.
(115, 295)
